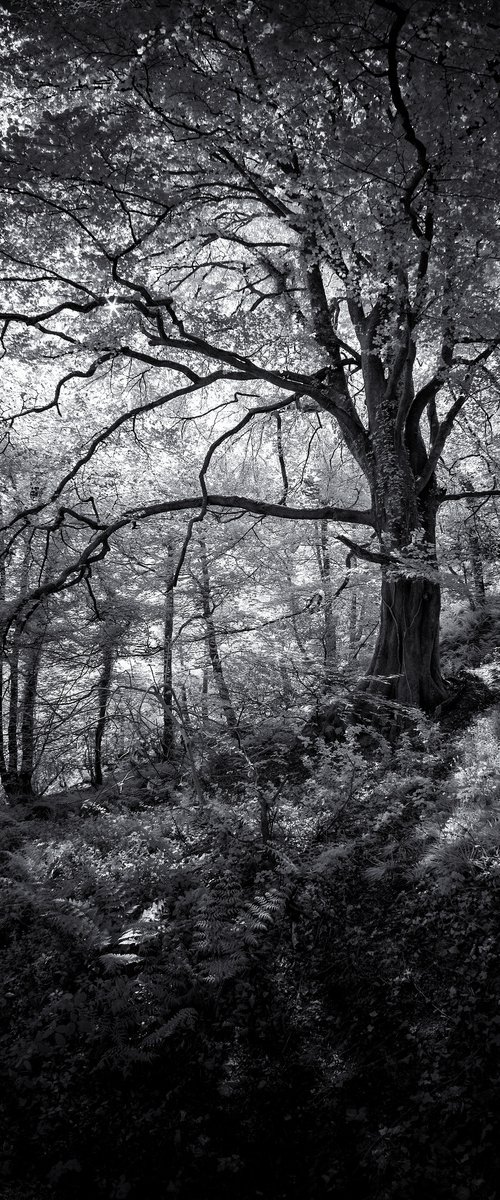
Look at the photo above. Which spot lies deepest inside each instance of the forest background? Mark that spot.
(249, 600)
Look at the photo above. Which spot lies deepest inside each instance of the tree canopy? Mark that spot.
(229, 231)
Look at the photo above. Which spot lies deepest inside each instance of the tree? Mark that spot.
(213, 649)
(168, 734)
(280, 213)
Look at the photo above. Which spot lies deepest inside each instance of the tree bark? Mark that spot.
(405, 666)
(103, 694)
(213, 649)
(28, 705)
(12, 782)
(330, 623)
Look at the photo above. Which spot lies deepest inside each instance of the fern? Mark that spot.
(185, 1019)
(115, 962)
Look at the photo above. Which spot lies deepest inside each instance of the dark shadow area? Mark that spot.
(187, 1012)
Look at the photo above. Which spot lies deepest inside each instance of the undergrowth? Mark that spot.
(186, 1012)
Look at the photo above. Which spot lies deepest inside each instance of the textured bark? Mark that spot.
(405, 666)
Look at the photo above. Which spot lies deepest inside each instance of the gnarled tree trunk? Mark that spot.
(405, 666)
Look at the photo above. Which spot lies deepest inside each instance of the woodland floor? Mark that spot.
(186, 1013)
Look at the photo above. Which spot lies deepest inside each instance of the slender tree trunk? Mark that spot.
(478, 597)
(286, 684)
(477, 566)
(12, 782)
(168, 737)
(204, 695)
(182, 693)
(353, 624)
(330, 623)
(357, 636)
(213, 650)
(12, 720)
(28, 704)
(103, 694)
(3, 763)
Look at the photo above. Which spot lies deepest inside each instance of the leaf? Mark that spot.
(186, 1018)
(113, 962)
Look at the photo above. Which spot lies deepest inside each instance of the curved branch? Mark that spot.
(99, 546)
(424, 166)
(446, 425)
(224, 437)
(100, 438)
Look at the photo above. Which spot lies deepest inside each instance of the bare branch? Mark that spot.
(470, 495)
(445, 427)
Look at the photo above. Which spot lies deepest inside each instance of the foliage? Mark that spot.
(243, 281)
(248, 264)
(470, 637)
(186, 1012)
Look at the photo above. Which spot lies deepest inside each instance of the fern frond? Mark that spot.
(186, 1018)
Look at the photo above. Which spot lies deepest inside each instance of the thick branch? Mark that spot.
(410, 134)
(100, 438)
(469, 495)
(99, 546)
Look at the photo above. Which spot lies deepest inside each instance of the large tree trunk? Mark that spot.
(405, 666)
